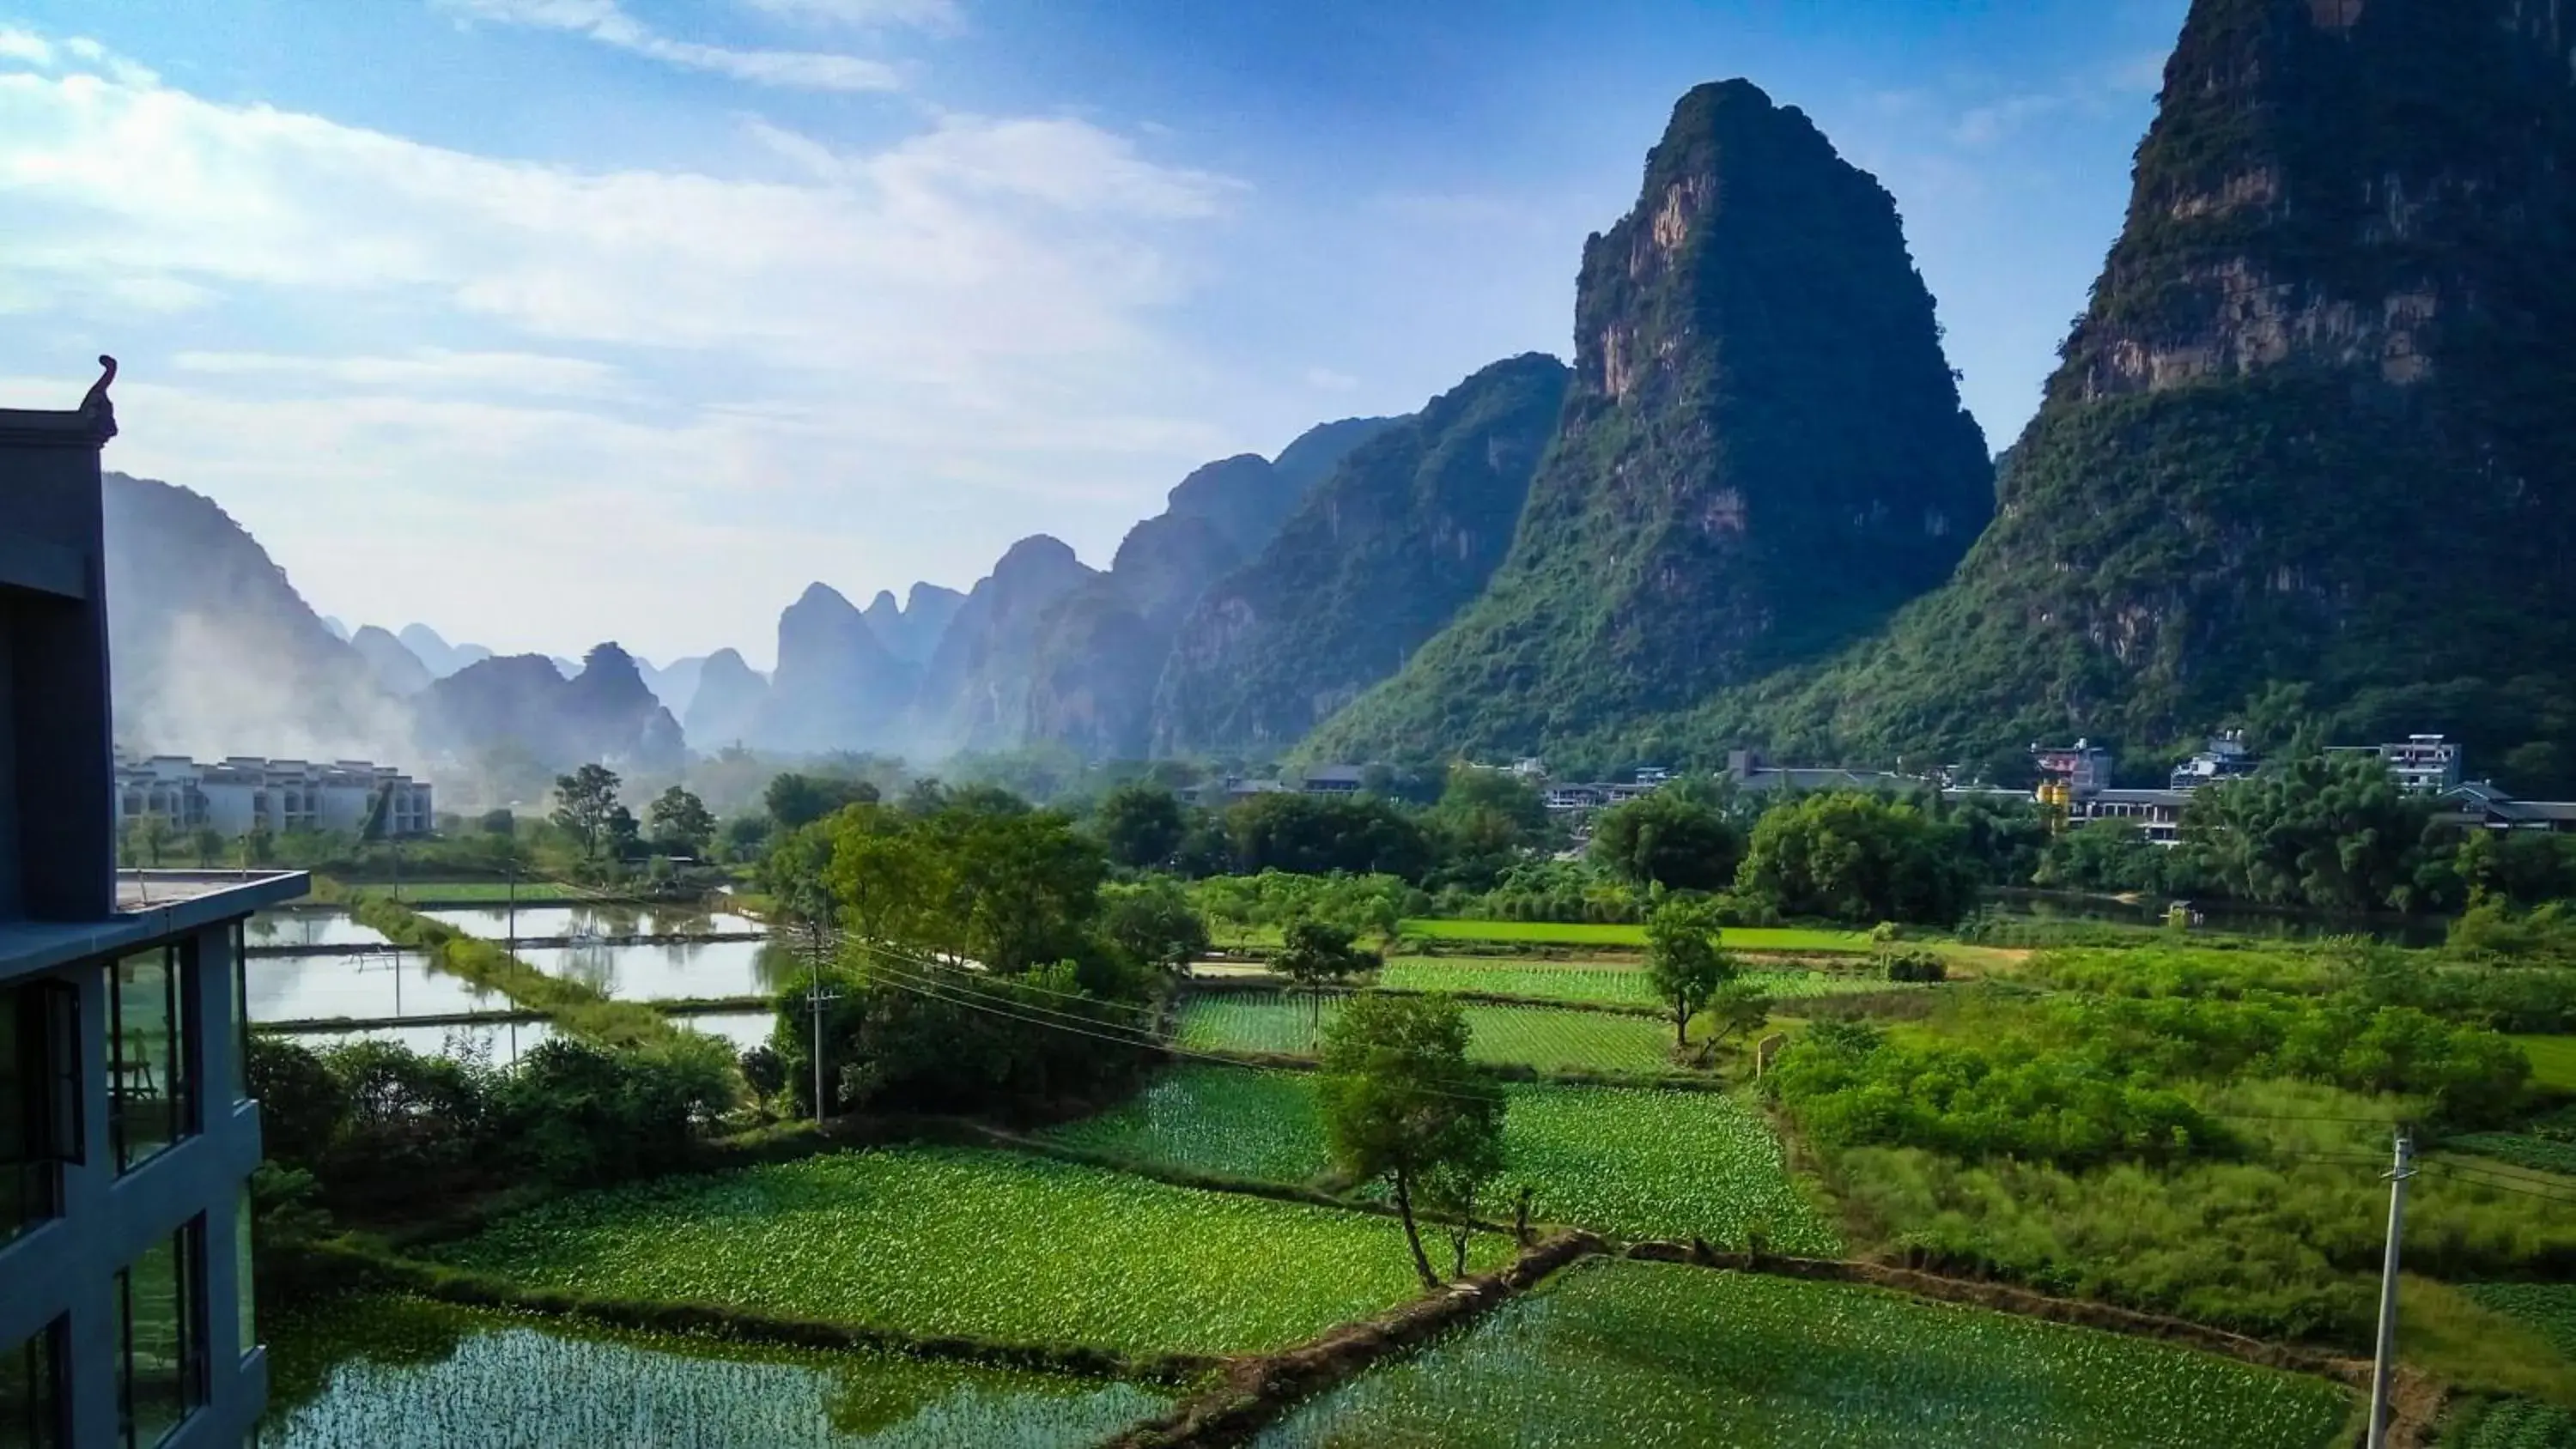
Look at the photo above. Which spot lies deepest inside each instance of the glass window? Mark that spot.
(151, 1081)
(39, 1099)
(31, 1393)
(160, 1364)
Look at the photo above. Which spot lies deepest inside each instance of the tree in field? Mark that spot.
(1683, 961)
(681, 821)
(584, 801)
(208, 842)
(1402, 1105)
(2329, 831)
(1668, 839)
(1141, 824)
(796, 876)
(1154, 924)
(1320, 953)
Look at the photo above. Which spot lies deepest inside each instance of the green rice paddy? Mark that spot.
(392, 1373)
(1633, 1162)
(1587, 933)
(1596, 983)
(1287, 1024)
(951, 1241)
(1625, 1353)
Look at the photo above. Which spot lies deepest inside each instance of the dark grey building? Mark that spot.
(127, 1133)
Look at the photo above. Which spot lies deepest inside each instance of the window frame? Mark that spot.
(46, 1025)
(196, 1381)
(44, 1361)
(182, 1089)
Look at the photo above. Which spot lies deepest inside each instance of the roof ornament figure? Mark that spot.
(95, 404)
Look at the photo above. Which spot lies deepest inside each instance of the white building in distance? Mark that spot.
(244, 793)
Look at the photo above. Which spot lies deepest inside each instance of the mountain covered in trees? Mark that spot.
(2308, 450)
(1761, 455)
(1375, 560)
(2305, 455)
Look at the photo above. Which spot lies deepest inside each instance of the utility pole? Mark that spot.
(2384, 1365)
(815, 999)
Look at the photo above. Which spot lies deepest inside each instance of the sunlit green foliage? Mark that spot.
(1620, 1354)
(936, 1241)
(1534, 1036)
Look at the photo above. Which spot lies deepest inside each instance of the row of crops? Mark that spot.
(1632, 1162)
(973, 1243)
(1598, 983)
(1549, 1038)
(1624, 1353)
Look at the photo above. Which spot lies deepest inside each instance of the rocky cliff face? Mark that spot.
(2312, 428)
(1761, 455)
(910, 631)
(975, 691)
(213, 650)
(1376, 560)
(836, 686)
(727, 703)
(1102, 648)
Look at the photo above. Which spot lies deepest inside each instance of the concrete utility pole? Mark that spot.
(815, 998)
(2384, 1366)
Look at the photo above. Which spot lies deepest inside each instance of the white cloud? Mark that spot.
(1324, 379)
(1989, 123)
(21, 45)
(416, 372)
(424, 369)
(925, 14)
(605, 22)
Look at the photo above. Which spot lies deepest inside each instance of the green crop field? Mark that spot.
(1608, 985)
(390, 1373)
(1586, 933)
(2553, 1060)
(1535, 1036)
(1621, 1353)
(932, 1241)
(1636, 1162)
(1238, 1121)
(2539, 1154)
(2549, 1307)
(2510, 1424)
(1650, 1164)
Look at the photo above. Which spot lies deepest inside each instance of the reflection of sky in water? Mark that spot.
(673, 972)
(745, 1029)
(498, 1380)
(588, 920)
(501, 1043)
(310, 928)
(363, 984)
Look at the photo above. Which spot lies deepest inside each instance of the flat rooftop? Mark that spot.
(144, 890)
(150, 905)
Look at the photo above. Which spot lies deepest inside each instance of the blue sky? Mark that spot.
(552, 321)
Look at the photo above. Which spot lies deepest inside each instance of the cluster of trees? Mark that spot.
(2318, 831)
(971, 952)
(2094, 1080)
(376, 1124)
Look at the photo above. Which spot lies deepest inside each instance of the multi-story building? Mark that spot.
(243, 793)
(2227, 758)
(2423, 764)
(127, 1133)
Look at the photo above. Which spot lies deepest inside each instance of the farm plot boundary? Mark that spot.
(366, 1267)
(1255, 1392)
